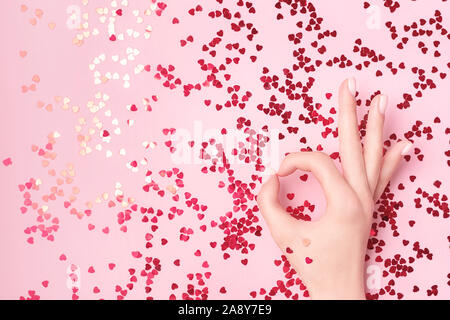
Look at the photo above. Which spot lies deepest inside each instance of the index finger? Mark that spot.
(322, 168)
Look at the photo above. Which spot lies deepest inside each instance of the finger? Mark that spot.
(373, 143)
(391, 161)
(321, 166)
(350, 148)
(275, 216)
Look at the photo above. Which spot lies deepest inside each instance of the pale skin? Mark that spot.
(329, 253)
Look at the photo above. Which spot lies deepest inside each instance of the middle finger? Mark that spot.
(350, 148)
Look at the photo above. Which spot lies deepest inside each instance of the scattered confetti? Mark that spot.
(140, 133)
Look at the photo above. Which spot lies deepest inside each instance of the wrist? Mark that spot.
(346, 285)
(340, 293)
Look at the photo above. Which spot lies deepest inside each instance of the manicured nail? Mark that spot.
(382, 103)
(351, 83)
(406, 149)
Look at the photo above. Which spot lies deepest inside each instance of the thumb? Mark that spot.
(278, 220)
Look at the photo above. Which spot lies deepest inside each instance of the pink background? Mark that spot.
(63, 70)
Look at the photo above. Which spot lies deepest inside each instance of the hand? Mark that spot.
(329, 253)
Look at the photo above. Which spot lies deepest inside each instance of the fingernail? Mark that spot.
(382, 103)
(351, 83)
(406, 149)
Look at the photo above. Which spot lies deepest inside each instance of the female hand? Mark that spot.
(329, 253)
